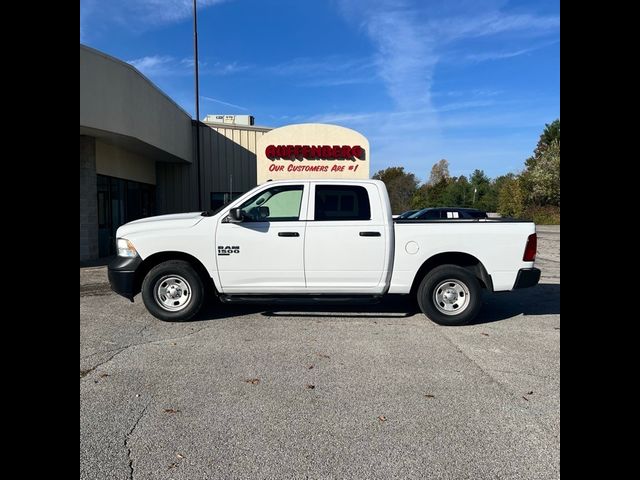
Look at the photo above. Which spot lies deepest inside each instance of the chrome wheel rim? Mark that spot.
(173, 293)
(451, 297)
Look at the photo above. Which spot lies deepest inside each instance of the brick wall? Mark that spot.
(88, 199)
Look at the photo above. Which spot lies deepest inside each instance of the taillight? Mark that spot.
(530, 249)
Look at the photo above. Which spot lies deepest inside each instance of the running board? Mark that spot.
(301, 299)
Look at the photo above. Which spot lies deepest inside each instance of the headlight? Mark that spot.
(125, 248)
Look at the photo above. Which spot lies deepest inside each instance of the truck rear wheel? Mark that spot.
(450, 295)
(173, 291)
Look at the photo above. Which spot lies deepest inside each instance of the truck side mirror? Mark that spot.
(236, 215)
(263, 213)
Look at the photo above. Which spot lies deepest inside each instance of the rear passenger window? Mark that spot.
(337, 202)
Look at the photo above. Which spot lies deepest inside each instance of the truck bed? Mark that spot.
(498, 244)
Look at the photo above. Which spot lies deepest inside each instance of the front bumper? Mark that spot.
(527, 277)
(122, 276)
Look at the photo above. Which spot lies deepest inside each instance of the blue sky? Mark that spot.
(470, 81)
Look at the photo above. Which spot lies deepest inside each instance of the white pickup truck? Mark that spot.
(319, 240)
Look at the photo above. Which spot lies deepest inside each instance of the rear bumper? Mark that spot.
(527, 277)
(122, 276)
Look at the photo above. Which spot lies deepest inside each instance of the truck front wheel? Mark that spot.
(450, 295)
(173, 291)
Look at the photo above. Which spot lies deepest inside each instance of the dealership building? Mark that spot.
(138, 153)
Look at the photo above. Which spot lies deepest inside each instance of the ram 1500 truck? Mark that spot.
(319, 240)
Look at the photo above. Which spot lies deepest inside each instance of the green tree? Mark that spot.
(419, 199)
(551, 133)
(545, 177)
(510, 196)
(401, 187)
(480, 187)
(540, 180)
(433, 193)
(458, 192)
(436, 193)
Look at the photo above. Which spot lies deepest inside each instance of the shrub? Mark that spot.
(547, 215)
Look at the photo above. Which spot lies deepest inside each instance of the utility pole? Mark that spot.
(195, 51)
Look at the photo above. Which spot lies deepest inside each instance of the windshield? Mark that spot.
(407, 214)
(418, 213)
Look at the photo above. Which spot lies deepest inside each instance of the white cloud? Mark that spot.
(474, 93)
(159, 66)
(411, 40)
(417, 139)
(456, 28)
(326, 71)
(406, 59)
(138, 15)
(168, 66)
(210, 99)
(483, 57)
(163, 11)
(500, 55)
(312, 66)
(339, 82)
(220, 68)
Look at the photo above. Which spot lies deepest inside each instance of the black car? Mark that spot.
(447, 213)
(407, 214)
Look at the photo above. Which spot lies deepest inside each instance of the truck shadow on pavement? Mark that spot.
(544, 299)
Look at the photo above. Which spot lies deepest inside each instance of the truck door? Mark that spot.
(345, 242)
(264, 252)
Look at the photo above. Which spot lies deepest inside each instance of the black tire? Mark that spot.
(173, 291)
(459, 294)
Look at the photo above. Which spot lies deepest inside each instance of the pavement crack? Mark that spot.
(545, 377)
(100, 353)
(126, 439)
(145, 327)
(168, 339)
(500, 385)
(84, 373)
(477, 365)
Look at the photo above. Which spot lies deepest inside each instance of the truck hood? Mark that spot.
(161, 222)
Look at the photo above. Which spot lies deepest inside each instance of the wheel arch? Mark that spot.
(465, 260)
(157, 258)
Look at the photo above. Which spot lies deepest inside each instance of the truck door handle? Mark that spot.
(369, 234)
(288, 234)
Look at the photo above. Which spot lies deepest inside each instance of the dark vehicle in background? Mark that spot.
(447, 213)
(407, 214)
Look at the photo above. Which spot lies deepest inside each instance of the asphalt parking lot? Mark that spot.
(370, 392)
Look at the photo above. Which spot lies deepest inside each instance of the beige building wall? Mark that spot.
(118, 100)
(115, 161)
(312, 134)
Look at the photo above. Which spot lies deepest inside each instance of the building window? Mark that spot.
(120, 201)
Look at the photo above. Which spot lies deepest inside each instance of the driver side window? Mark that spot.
(277, 204)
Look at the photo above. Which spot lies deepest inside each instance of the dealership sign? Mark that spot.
(312, 150)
